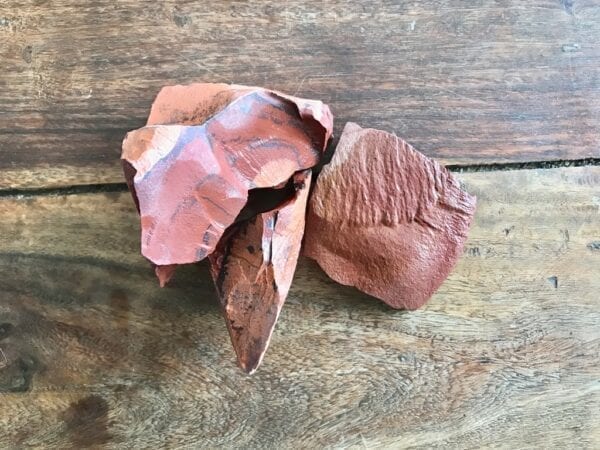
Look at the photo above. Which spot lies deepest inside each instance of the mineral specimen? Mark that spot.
(224, 172)
(191, 181)
(221, 171)
(386, 219)
(253, 268)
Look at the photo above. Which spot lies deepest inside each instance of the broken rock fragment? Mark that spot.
(224, 171)
(191, 177)
(253, 267)
(386, 219)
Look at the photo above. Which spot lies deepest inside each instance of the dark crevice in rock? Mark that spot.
(261, 200)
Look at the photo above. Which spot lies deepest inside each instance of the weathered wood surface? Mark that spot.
(467, 82)
(505, 355)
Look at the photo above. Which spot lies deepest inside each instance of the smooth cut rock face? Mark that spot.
(386, 219)
(253, 267)
(190, 180)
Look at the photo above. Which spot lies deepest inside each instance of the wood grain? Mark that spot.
(505, 355)
(467, 82)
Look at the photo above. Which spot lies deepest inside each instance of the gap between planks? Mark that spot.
(469, 168)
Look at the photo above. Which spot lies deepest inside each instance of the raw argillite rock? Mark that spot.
(224, 172)
(253, 269)
(386, 219)
(221, 170)
(191, 178)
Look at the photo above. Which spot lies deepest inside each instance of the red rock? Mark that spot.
(191, 180)
(386, 219)
(165, 273)
(220, 170)
(253, 267)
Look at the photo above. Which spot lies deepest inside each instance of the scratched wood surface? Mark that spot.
(505, 355)
(468, 82)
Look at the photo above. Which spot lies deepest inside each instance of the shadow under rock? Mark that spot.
(312, 284)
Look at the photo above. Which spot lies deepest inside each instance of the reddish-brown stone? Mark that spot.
(220, 171)
(165, 273)
(386, 219)
(253, 267)
(191, 177)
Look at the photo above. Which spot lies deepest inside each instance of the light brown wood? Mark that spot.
(466, 82)
(505, 355)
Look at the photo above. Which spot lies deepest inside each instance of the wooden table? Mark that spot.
(506, 354)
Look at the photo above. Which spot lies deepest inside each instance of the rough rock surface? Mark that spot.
(253, 267)
(191, 177)
(386, 219)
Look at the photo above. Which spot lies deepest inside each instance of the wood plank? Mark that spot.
(467, 82)
(505, 354)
